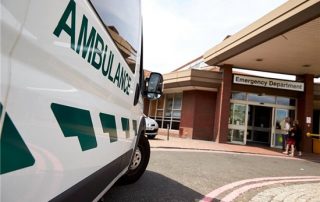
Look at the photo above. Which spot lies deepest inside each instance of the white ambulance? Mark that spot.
(71, 102)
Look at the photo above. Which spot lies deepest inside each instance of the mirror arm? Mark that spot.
(144, 89)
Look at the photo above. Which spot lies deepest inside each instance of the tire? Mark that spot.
(151, 136)
(136, 170)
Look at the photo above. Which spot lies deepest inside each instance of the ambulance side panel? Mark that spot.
(11, 23)
(76, 125)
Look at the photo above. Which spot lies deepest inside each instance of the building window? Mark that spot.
(239, 96)
(286, 101)
(237, 114)
(235, 135)
(261, 98)
(167, 111)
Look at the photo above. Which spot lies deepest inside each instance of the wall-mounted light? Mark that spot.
(306, 65)
(259, 59)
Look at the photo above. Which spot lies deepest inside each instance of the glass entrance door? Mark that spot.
(259, 125)
(279, 117)
(256, 118)
(278, 125)
(237, 123)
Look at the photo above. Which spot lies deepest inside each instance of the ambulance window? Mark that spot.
(122, 21)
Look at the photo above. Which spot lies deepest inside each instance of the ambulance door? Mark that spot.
(11, 22)
(72, 118)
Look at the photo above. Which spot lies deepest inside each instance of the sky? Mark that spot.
(178, 31)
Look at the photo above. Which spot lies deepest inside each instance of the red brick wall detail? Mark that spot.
(223, 106)
(188, 108)
(198, 113)
(305, 109)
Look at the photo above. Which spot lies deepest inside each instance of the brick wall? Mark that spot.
(197, 118)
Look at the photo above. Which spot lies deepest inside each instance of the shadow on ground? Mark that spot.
(157, 139)
(152, 187)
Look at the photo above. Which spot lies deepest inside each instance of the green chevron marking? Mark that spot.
(134, 124)
(76, 122)
(125, 126)
(15, 154)
(109, 126)
(0, 109)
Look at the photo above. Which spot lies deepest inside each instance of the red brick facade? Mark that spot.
(198, 115)
(205, 114)
(223, 106)
(305, 109)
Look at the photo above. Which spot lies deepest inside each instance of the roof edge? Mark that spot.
(285, 18)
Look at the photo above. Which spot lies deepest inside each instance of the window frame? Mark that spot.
(162, 120)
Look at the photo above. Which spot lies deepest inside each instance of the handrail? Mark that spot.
(313, 135)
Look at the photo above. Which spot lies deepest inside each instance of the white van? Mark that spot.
(71, 100)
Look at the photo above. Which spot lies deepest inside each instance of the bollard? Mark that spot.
(167, 132)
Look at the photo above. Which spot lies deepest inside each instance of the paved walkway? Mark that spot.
(180, 143)
(300, 192)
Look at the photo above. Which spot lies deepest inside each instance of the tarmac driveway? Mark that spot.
(189, 175)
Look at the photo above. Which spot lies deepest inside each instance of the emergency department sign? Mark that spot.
(268, 83)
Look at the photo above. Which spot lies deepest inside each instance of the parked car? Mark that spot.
(151, 127)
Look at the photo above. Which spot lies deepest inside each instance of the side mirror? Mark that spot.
(154, 86)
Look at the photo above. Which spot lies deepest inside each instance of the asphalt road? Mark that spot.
(190, 175)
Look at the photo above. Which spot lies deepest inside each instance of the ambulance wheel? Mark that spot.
(151, 136)
(139, 162)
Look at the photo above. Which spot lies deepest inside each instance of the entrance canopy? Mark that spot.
(287, 40)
